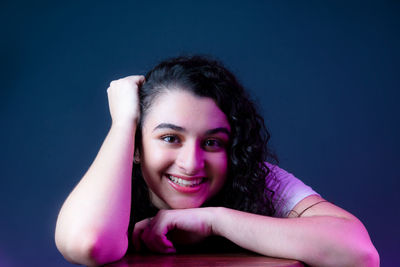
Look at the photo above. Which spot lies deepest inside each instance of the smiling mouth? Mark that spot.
(186, 183)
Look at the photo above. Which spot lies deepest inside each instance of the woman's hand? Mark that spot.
(168, 226)
(123, 99)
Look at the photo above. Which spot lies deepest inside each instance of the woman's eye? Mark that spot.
(170, 139)
(213, 144)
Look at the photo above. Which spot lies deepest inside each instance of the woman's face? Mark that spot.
(184, 149)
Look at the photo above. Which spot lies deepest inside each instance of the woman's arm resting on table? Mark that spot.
(93, 221)
(324, 235)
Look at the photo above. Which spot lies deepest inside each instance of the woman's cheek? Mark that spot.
(220, 165)
(162, 156)
(223, 162)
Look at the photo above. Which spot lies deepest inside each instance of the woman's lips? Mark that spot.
(186, 185)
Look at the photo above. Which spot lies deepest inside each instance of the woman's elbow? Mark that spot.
(92, 250)
(359, 249)
(368, 257)
(364, 254)
(349, 246)
(354, 256)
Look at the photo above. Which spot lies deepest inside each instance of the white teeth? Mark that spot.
(182, 182)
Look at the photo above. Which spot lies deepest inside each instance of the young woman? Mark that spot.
(184, 160)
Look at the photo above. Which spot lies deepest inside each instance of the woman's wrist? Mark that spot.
(217, 215)
(129, 125)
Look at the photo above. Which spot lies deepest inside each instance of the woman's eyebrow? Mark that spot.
(169, 126)
(218, 130)
(181, 129)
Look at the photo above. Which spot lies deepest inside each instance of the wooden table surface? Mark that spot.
(203, 260)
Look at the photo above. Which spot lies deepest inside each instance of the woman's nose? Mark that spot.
(191, 159)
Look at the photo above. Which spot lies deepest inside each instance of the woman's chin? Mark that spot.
(185, 204)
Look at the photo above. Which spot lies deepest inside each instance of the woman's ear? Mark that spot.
(136, 157)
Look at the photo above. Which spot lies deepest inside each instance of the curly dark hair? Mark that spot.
(247, 173)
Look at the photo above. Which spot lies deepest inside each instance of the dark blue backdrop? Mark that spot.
(325, 75)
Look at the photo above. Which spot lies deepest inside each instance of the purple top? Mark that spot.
(288, 189)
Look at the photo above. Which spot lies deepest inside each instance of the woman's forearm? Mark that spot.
(318, 241)
(92, 224)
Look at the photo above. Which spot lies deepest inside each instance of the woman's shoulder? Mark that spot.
(278, 174)
(288, 189)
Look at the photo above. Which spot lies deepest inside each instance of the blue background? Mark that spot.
(325, 74)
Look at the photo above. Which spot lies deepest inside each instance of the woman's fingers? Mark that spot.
(147, 232)
(138, 79)
(123, 99)
(133, 79)
(137, 233)
(186, 226)
(155, 241)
